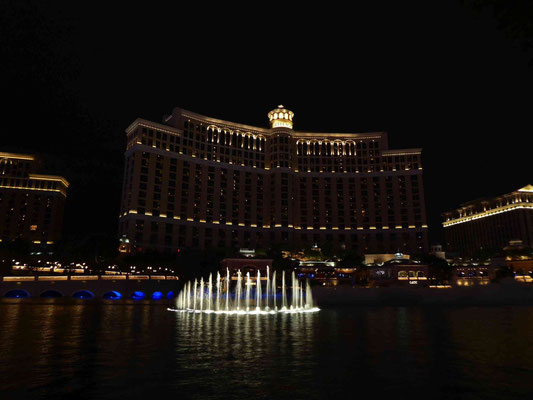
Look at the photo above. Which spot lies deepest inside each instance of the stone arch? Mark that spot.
(51, 294)
(17, 294)
(157, 295)
(137, 295)
(112, 295)
(83, 294)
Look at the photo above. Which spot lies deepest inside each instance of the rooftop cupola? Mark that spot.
(281, 118)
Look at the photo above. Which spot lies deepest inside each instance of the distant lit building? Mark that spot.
(196, 181)
(491, 223)
(399, 271)
(322, 271)
(468, 274)
(31, 204)
(519, 259)
(246, 265)
(381, 258)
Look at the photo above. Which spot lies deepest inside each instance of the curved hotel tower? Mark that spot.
(196, 181)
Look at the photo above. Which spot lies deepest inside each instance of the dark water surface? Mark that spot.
(99, 350)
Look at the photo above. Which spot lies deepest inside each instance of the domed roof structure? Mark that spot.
(280, 117)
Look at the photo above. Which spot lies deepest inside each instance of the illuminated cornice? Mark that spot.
(152, 125)
(30, 188)
(347, 136)
(488, 213)
(402, 152)
(17, 156)
(52, 178)
(254, 129)
(526, 189)
(222, 123)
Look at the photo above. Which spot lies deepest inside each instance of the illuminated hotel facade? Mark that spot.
(31, 204)
(491, 223)
(196, 181)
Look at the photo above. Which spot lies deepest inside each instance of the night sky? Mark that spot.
(453, 79)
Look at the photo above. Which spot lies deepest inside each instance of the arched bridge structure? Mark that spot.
(136, 287)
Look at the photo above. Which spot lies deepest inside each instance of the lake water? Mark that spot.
(105, 350)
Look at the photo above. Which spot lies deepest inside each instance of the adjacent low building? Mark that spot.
(399, 271)
(469, 274)
(31, 204)
(490, 223)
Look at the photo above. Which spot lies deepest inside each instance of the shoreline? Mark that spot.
(497, 294)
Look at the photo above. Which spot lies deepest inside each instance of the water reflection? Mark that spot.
(102, 350)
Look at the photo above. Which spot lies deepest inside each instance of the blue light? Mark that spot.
(170, 295)
(157, 296)
(138, 295)
(17, 294)
(113, 295)
(83, 294)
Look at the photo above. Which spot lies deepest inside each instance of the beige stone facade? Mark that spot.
(195, 181)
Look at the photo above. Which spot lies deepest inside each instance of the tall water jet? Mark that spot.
(267, 291)
(283, 292)
(194, 294)
(258, 293)
(238, 290)
(301, 295)
(210, 292)
(294, 299)
(217, 308)
(248, 291)
(188, 301)
(227, 289)
(274, 291)
(201, 293)
(308, 296)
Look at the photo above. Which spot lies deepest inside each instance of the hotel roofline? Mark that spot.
(268, 131)
(513, 203)
(31, 176)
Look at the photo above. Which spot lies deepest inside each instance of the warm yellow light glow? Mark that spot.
(30, 188)
(281, 124)
(18, 278)
(488, 213)
(17, 156)
(52, 278)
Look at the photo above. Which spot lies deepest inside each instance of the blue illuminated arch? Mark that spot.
(112, 295)
(157, 296)
(83, 294)
(137, 295)
(17, 294)
(170, 295)
(50, 294)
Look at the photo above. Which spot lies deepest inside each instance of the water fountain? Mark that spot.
(203, 297)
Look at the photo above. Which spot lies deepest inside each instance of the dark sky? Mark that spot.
(453, 78)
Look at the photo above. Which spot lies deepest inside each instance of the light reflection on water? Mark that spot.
(109, 350)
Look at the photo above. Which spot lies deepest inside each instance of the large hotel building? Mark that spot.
(31, 204)
(490, 223)
(196, 181)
